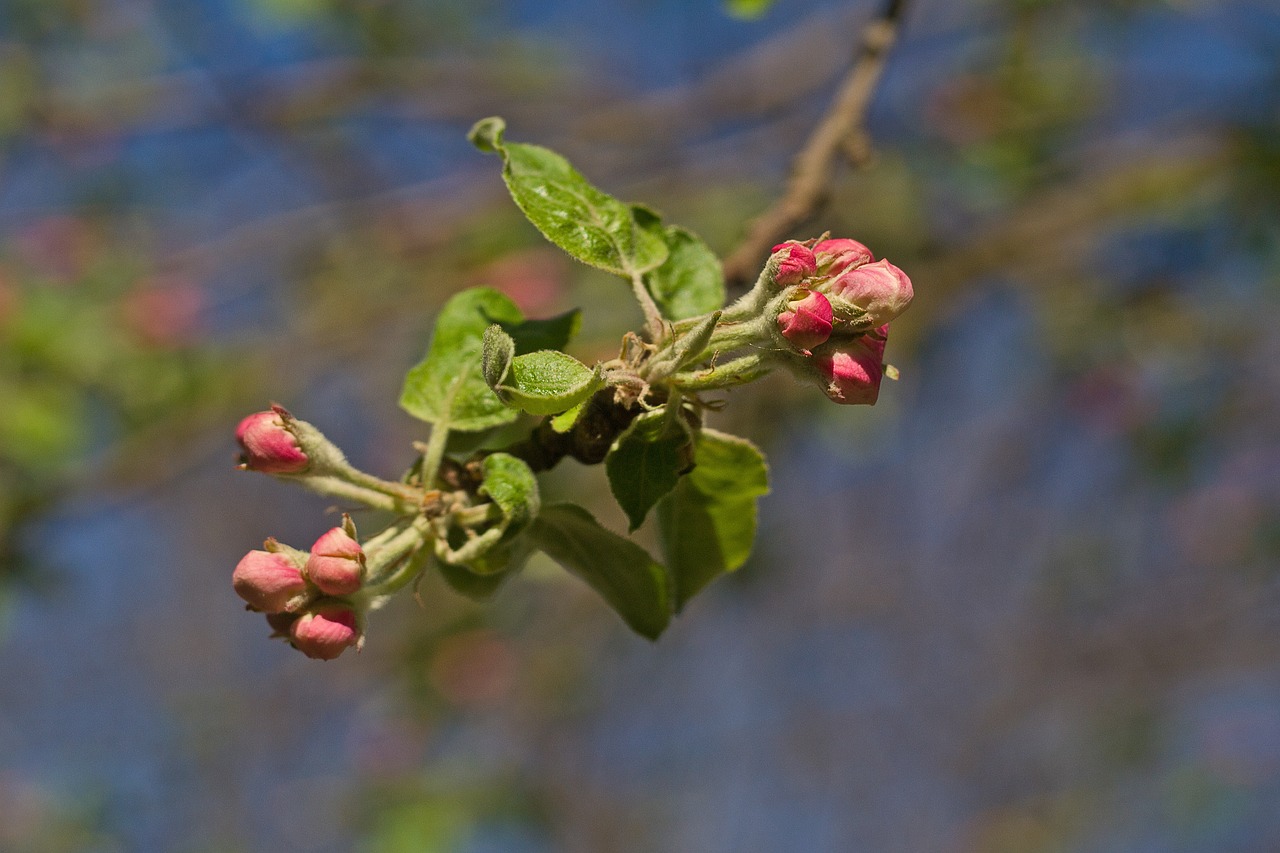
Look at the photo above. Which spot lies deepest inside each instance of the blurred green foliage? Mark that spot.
(102, 363)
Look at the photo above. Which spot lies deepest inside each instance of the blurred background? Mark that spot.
(1029, 602)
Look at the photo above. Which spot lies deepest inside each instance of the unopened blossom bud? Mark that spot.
(881, 290)
(267, 580)
(806, 320)
(336, 564)
(325, 631)
(836, 256)
(851, 370)
(795, 263)
(268, 446)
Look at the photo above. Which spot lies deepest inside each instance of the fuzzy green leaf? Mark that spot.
(644, 463)
(477, 586)
(513, 488)
(621, 571)
(481, 577)
(564, 421)
(447, 387)
(548, 382)
(708, 522)
(510, 483)
(690, 282)
(593, 227)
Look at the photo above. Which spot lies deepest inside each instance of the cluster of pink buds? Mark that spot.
(302, 593)
(835, 313)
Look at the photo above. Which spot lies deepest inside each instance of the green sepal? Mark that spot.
(624, 574)
(686, 350)
(498, 350)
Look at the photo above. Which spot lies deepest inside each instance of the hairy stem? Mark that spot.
(739, 371)
(395, 555)
(402, 491)
(654, 324)
(340, 488)
(434, 453)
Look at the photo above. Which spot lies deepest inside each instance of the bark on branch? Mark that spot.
(839, 132)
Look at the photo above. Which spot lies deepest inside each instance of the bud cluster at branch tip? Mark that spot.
(308, 597)
(833, 313)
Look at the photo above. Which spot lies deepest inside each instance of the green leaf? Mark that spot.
(621, 571)
(548, 382)
(748, 10)
(512, 487)
(498, 350)
(593, 227)
(447, 387)
(551, 333)
(708, 522)
(645, 462)
(690, 282)
(564, 421)
(474, 585)
(510, 483)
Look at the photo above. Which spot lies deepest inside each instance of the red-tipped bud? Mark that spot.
(836, 256)
(796, 263)
(268, 446)
(325, 631)
(336, 564)
(267, 580)
(806, 321)
(881, 290)
(851, 370)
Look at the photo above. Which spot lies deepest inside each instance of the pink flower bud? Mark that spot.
(880, 289)
(267, 580)
(268, 446)
(325, 631)
(806, 321)
(336, 564)
(836, 256)
(796, 263)
(851, 370)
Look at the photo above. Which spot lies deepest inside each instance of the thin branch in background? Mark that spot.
(839, 134)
